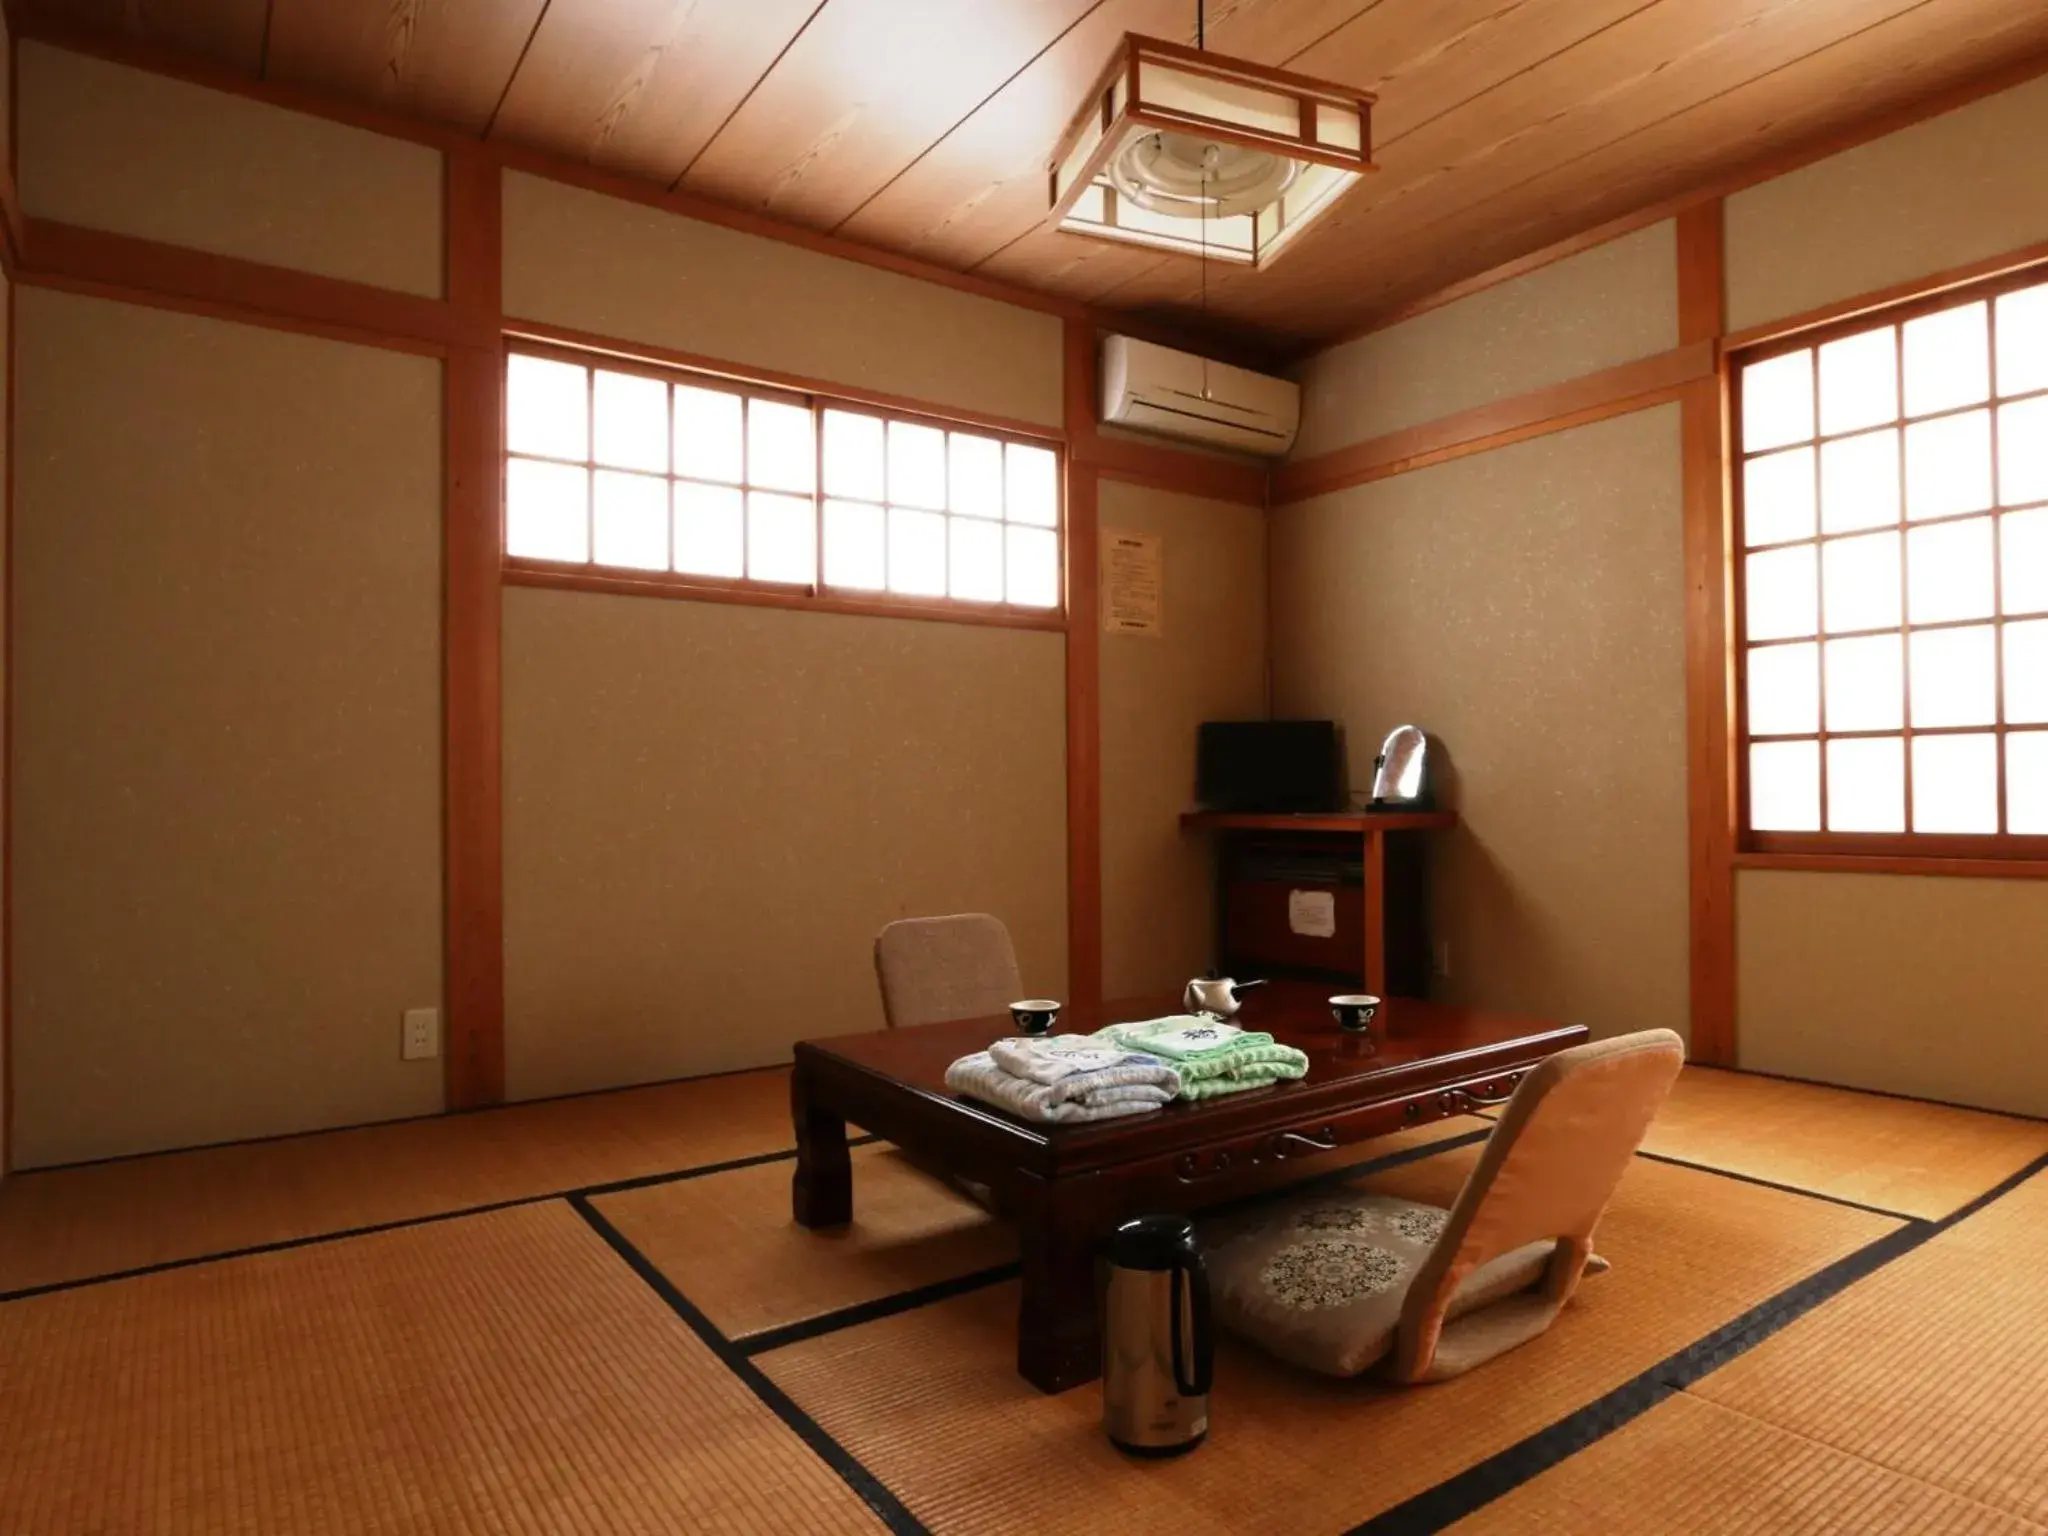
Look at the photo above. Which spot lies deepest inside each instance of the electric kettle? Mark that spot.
(1158, 1345)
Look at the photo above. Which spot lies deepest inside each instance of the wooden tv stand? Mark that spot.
(1326, 830)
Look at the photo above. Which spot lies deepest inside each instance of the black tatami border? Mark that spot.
(312, 1239)
(887, 1507)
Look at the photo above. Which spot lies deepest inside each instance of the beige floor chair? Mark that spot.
(938, 968)
(1341, 1281)
(935, 968)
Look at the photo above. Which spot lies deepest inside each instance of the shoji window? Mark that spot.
(1892, 485)
(690, 480)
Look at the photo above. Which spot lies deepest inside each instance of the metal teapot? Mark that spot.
(1217, 996)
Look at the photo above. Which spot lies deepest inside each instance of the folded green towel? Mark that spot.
(1266, 1062)
(1184, 1037)
(1212, 1058)
(1256, 1075)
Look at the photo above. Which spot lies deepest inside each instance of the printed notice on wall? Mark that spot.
(1133, 582)
(1312, 914)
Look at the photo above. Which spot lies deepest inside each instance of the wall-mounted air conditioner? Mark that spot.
(1177, 394)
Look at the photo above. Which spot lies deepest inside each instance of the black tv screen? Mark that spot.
(1267, 765)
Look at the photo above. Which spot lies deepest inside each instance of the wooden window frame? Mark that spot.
(1990, 853)
(816, 595)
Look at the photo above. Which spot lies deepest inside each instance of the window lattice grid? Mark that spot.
(625, 470)
(1892, 487)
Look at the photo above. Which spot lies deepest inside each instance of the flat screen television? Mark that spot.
(1268, 765)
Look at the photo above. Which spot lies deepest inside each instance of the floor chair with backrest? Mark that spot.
(937, 968)
(933, 969)
(1341, 1281)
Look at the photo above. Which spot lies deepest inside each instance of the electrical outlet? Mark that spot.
(421, 1037)
(1442, 965)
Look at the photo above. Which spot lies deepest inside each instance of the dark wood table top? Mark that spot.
(1419, 1045)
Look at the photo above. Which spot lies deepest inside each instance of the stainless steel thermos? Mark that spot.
(1158, 1345)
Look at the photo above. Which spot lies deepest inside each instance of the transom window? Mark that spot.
(1893, 495)
(638, 471)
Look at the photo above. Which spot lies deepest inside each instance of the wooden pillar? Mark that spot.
(472, 892)
(1084, 676)
(1709, 673)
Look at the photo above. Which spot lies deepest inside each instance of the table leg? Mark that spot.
(1059, 1324)
(821, 1192)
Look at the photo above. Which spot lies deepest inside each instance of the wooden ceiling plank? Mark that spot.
(1419, 55)
(984, 183)
(1764, 126)
(1073, 265)
(1572, 166)
(447, 60)
(641, 86)
(1628, 76)
(1427, 58)
(868, 88)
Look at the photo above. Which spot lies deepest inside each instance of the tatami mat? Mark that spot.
(728, 1243)
(1691, 1466)
(502, 1373)
(930, 1401)
(1897, 1154)
(1936, 1366)
(71, 1223)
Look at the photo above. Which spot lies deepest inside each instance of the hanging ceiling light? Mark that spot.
(1192, 151)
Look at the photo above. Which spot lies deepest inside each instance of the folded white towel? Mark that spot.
(1053, 1059)
(1130, 1089)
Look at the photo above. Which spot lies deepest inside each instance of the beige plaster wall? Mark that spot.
(593, 263)
(226, 807)
(1941, 194)
(710, 811)
(1602, 307)
(134, 153)
(1524, 606)
(1208, 663)
(1932, 987)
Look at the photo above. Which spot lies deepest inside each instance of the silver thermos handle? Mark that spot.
(1197, 1273)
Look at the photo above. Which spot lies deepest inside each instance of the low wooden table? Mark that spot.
(1067, 1186)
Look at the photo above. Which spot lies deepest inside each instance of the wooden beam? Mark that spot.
(80, 260)
(1084, 677)
(472, 820)
(1595, 397)
(1709, 655)
(1899, 864)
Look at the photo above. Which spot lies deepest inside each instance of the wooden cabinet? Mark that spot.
(1372, 868)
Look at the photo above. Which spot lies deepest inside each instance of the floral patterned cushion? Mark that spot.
(1319, 1279)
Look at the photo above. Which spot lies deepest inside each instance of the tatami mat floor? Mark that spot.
(68, 1223)
(1774, 1350)
(917, 1397)
(1900, 1155)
